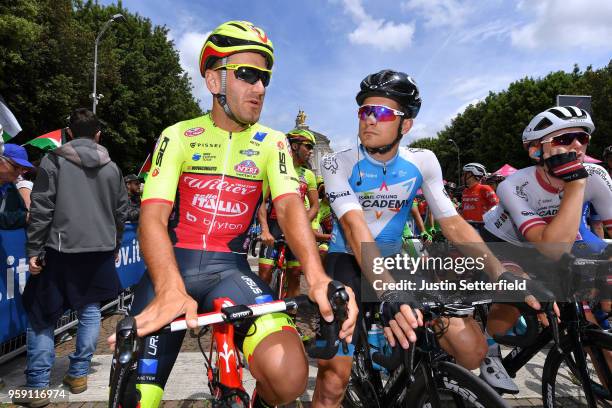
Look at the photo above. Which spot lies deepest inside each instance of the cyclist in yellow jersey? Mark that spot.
(301, 142)
(322, 224)
(206, 182)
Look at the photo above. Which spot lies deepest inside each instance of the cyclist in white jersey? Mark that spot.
(370, 189)
(541, 206)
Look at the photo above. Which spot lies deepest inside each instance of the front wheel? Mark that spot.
(562, 384)
(456, 387)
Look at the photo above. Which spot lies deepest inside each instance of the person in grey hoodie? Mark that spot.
(79, 205)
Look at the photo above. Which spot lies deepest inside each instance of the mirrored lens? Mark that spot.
(252, 75)
(567, 139)
(381, 113)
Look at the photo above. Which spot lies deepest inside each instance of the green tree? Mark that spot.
(50, 72)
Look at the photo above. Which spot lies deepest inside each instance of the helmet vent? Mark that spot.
(237, 26)
(543, 124)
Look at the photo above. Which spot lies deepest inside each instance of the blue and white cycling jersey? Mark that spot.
(383, 191)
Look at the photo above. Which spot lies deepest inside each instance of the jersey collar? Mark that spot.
(544, 184)
(376, 162)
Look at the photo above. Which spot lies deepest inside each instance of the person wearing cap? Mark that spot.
(13, 163)
(77, 217)
(132, 184)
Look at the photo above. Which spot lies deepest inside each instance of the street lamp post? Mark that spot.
(94, 95)
(458, 162)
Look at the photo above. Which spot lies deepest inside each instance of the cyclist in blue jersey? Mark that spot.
(371, 189)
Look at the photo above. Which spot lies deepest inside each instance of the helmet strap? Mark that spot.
(387, 148)
(222, 98)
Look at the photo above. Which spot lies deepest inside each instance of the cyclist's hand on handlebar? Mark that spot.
(400, 321)
(166, 306)
(534, 292)
(318, 294)
(267, 239)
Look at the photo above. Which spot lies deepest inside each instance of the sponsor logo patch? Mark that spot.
(249, 152)
(147, 366)
(247, 167)
(194, 131)
(260, 136)
(155, 172)
(196, 156)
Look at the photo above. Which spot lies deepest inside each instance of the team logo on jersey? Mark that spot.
(280, 145)
(383, 186)
(332, 196)
(194, 131)
(330, 163)
(210, 204)
(249, 152)
(196, 157)
(247, 167)
(520, 191)
(260, 136)
(155, 172)
(162, 149)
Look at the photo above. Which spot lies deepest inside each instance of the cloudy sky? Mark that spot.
(457, 51)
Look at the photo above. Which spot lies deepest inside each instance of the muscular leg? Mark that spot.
(332, 378)
(463, 340)
(293, 282)
(265, 272)
(280, 367)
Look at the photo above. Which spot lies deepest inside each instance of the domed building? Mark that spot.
(322, 147)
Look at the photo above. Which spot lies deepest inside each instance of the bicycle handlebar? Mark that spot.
(572, 273)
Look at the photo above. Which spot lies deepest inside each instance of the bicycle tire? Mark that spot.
(554, 375)
(361, 392)
(463, 388)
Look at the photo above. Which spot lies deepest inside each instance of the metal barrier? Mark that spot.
(13, 322)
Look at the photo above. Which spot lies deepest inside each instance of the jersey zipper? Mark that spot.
(219, 188)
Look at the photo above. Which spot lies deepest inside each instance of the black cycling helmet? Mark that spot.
(393, 85)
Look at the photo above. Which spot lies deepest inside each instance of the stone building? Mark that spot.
(322, 146)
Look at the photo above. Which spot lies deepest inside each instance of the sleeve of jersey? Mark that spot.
(336, 173)
(433, 187)
(520, 212)
(166, 167)
(600, 193)
(488, 194)
(282, 178)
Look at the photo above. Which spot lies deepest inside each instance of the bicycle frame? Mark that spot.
(228, 368)
(280, 268)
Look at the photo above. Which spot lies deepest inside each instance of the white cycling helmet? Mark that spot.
(476, 169)
(553, 119)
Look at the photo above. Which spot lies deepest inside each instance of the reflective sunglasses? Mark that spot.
(308, 146)
(249, 73)
(381, 113)
(567, 139)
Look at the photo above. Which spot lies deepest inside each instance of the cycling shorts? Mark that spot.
(207, 276)
(266, 255)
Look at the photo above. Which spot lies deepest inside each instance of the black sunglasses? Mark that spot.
(249, 73)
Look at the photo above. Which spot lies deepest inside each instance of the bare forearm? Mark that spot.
(469, 242)
(564, 226)
(417, 219)
(262, 217)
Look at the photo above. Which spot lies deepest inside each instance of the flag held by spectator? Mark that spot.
(145, 168)
(9, 123)
(49, 141)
